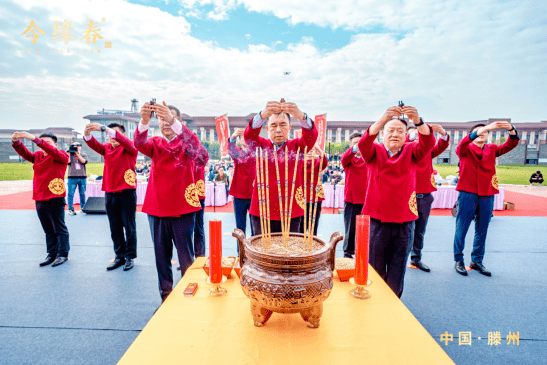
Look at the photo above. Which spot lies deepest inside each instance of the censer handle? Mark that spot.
(334, 239)
(238, 233)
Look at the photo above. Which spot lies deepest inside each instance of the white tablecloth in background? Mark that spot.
(220, 195)
(446, 197)
(94, 190)
(333, 197)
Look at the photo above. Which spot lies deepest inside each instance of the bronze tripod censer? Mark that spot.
(295, 283)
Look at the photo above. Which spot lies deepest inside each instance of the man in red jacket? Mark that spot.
(244, 174)
(355, 189)
(425, 185)
(477, 186)
(119, 185)
(171, 196)
(48, 190)
(276, 115)
(390, 200)
(200, 163)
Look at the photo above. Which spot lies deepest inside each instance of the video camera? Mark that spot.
(72, 149)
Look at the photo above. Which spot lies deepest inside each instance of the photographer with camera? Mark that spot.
(77, 175)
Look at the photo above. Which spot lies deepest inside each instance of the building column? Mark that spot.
(532, 137)
(346, 137)
(329, 135)
(338, 135)
(203, 135)
(211, 135)
(498, 135)
(523, 138)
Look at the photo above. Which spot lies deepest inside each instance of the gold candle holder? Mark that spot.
(216, 290)
(360, 291)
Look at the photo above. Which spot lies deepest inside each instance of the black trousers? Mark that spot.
(275, 226)
(120, 210)
(52, 216)
(389, 248)
(199, 231)
(351, 211)
(424, 209)
(166, 231)
(308, 212)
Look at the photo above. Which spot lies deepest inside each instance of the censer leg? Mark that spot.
(260, 315)
(312, 315)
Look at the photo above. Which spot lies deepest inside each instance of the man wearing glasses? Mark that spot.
(77, 175)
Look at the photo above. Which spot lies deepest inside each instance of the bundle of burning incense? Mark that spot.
(317, 186)
(260, 192)
(268, 227)
(305, 190)
(287, 221)
(281, 210)
(310, 215)
(293, 188)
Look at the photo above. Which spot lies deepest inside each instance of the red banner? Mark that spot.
(223, 133)
(321, 125)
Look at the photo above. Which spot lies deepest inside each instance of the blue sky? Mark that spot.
(455, 61)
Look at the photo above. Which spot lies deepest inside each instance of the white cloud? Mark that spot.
(248, 36)
(453, 63)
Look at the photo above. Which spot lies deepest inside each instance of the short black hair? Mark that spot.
(288, 117)
(171, 107)
(355, 135)
(476, 126)
(402, 120)
(116, 125)
(49, 135)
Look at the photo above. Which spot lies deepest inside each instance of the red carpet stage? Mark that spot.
(525, 205)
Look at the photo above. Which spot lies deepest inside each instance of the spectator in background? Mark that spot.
(536, 178)
(77, 176)
(222, 177)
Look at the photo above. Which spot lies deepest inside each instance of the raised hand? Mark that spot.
(145, 113)
(92, 127)
(272, 107)
(438, 128)
(412, 114)
(164, 113)
(292, 109)
(390, 113)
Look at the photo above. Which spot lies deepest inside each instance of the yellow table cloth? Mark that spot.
(220, 330)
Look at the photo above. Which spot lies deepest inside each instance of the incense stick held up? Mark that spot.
(260, 200)
(268, 227)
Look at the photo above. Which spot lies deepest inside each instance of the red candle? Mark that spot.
(362, 237)
(215, 251)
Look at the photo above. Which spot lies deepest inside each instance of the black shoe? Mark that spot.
(480, 268)
(348, 256)
(117, 263)
(178, 268)
(460, 268)
(128, 264)
(421, 266)
(47, 261)
(59, 261)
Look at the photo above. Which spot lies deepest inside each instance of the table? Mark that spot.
(219, 192)
(446, 196)
(206, 330)
(333, 196)
(93, 189)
